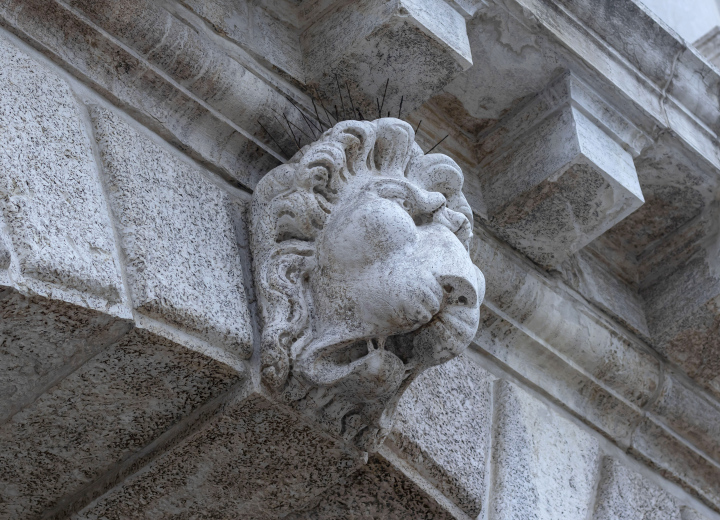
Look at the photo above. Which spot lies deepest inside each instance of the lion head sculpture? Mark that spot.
(363, 275)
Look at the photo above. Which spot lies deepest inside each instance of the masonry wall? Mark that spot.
(127, 318)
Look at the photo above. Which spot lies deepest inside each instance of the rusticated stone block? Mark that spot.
(51, 199)
(108, 409)
(544, 465)
(557, 172)
(178, 233)
(5, 256)
(376, 491)
(424, 43)
(622, 493)
(44, 340)
(253, 459)
(443, 430)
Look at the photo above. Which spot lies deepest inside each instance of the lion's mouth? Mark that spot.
(447, 333)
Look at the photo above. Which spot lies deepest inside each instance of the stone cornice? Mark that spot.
(654, 78)
(545, 332)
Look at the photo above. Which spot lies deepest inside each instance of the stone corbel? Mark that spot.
(363, 274)
(419, 45)
(559, 172)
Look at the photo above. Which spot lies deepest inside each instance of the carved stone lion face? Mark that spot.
(363, 273)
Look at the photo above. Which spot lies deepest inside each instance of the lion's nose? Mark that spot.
(459, 291)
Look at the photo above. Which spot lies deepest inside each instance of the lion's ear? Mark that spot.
(393, 142)
(436, 172)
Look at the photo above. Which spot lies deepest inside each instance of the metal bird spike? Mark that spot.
(383, 98)
(418, 127)
(296, 126)
(312, 127)
(436, 144)
(273, 139)
(400, 109)
(379, 108)
(281, 124)
(352, 105)
(317, 115)
(342, 103)
(325, 109)
(293, 133)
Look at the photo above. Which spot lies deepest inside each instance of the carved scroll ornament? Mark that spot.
(363, 275)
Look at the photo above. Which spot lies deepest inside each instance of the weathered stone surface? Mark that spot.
(376, 491)
(696, 346)
(178, 237)
(102, 413)
(267, 32)
(424, 42)
(682, 298)
(709, 45)
(252, 459)
(130, 80)
(677, 461)
(50, 195)
(512, 347)
(5, 256)
(688, 513)
(363, 276)
(235, 97)
(443, 430)
(596, 282)
(690, 414)
(568, 327)
(624, 494)
(43, 340)
(554, 176)
(544, 465)
(682, 293)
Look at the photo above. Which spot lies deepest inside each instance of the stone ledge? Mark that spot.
(596, 355)
(130, 80)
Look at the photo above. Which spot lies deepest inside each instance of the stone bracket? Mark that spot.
(558, 172)
(422, 43)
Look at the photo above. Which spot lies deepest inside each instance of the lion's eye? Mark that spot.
(398, 195)
(404, 203)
